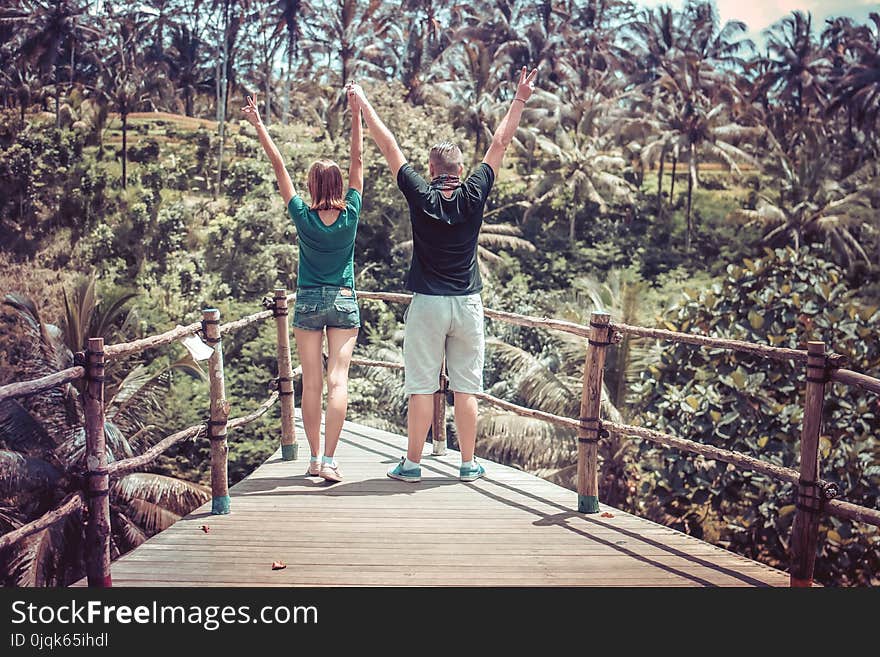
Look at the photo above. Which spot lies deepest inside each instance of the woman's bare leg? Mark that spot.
(341, 344)
(308, 345)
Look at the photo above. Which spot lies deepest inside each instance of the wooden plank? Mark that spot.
(509, 529)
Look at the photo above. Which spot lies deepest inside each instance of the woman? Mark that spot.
(325, 294)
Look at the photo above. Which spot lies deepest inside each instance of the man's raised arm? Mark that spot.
(507, 128)
(380, 133)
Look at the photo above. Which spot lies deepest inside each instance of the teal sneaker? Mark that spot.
(412, 475)
(472, 472)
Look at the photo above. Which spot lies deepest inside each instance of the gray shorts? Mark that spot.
(443, 326)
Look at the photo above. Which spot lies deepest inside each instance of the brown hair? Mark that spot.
(446, 158)
(325, 186)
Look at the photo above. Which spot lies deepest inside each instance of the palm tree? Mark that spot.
(226, 20)
(264, 45)
(157, 16)
(704, 34)
(124, 81)
(708, 109)
(288, 16)
(357, 36)
(51, 29)
(858, 88)
(657, 36)
(24, 84)
(42, 458)
(588, 55)
(471, 72)
(425, 42)
(678, 52)
(795, 76)
(578, 171)
(814, 204)
(185, 60)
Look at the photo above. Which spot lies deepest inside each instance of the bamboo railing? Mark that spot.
(89, 366)
(815, 496)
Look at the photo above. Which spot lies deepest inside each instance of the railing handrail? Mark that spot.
(836, 362)
(127, 466)
(600, 333)
(836, 507)
(85, 369)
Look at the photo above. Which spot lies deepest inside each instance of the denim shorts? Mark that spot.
(333, 307)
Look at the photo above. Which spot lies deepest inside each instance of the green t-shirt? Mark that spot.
(326, 253)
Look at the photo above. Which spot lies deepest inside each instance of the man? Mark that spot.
(445, 318)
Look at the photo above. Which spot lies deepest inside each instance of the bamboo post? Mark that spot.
(219, 413)
(591, 397)
(98, 480)
(438, 428)
(805, 529)
(289, 447)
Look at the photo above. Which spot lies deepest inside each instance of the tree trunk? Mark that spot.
(571, 226)
(124, 149)
(222, 109)
(286, 113)
(219, 85)
(188, 101)
(660, 185)
(672, 184)
(692, 174)
(72, 62)
(268, 93)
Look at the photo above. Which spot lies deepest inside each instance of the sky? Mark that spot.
(761, 14)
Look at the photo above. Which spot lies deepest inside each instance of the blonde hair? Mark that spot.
(446, 158)
(325, 186)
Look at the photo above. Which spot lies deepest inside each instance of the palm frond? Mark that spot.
(538, 386)
(20, 429)
(79, 307)
(508, 242)
(486, 255)
(128, 531)
(10, 518)
(532, 443)
(44, 558)
(21, 474)
(152, 517)
(500, 229)
(139, 393)
(174, 495)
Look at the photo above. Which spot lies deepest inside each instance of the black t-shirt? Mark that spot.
(445, 232)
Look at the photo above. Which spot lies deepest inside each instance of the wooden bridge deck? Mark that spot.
(508, 529)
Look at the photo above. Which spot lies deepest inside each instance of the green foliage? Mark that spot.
(754, 406)
(252, 250)
(243, 177)
(144, 151)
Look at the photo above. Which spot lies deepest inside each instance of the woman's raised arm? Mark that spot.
(356, 162)
(285, 184)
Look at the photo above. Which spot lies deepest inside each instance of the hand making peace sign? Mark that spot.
(251, 113)
(526, 84)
